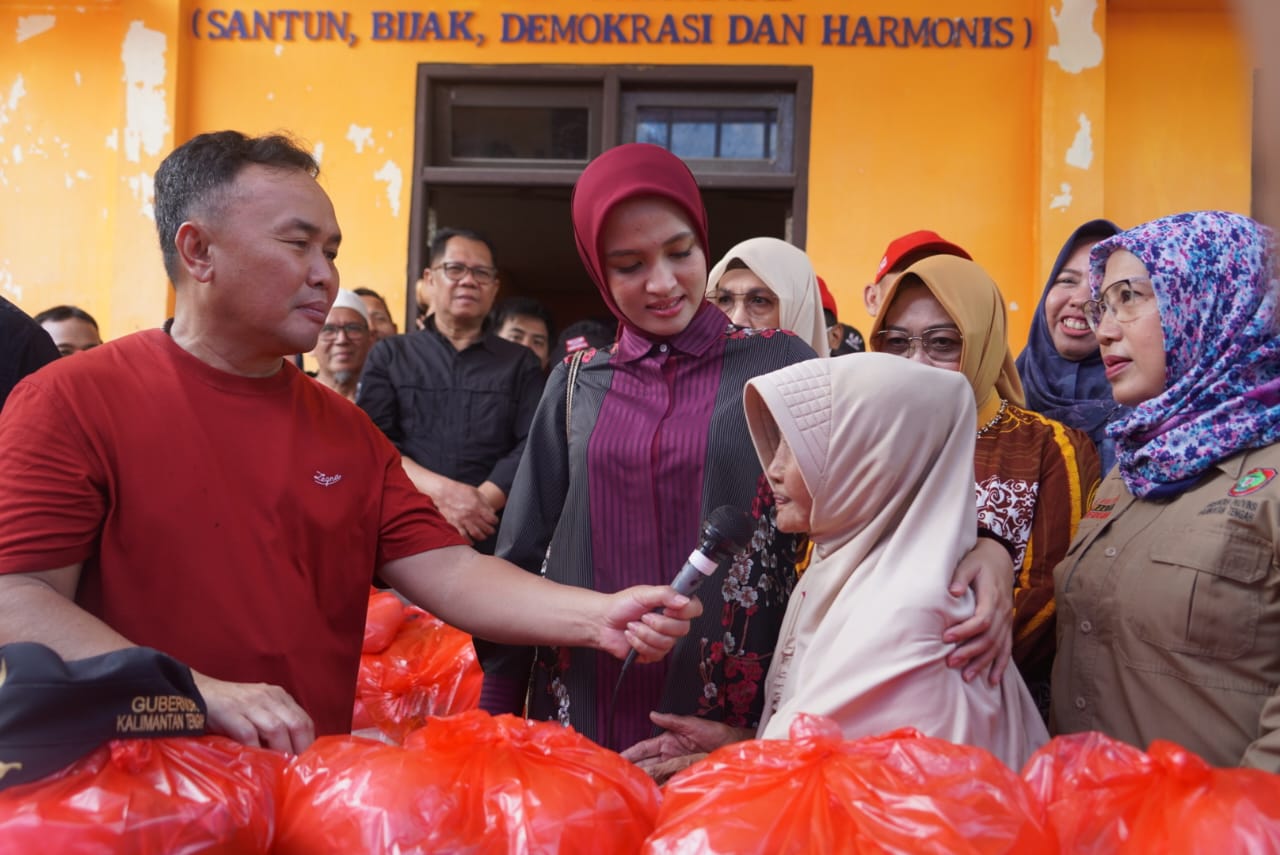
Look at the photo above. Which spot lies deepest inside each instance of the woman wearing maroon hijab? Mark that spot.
(657, 441)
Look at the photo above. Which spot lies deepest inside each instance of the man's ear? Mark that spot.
(195, 250)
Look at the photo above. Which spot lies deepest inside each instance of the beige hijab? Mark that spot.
(789, 274)
(976, 306)
(885, 446)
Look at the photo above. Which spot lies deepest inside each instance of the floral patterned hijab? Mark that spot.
(1215, 283)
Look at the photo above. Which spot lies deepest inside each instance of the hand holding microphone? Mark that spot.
(725, 535)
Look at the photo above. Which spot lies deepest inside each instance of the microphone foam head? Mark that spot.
(731, 527)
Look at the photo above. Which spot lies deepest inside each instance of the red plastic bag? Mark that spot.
(382, 621)
(901, 792)
(429, 670)
(174, 796)
(470, 783)
(1101, 795)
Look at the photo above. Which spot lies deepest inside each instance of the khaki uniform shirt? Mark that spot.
(1169, 616)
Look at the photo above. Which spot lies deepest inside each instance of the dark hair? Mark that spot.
(195, 176)
(442, 237)
(830, 317)
(65, 313)
(522, 306)
(597, 331)
(369, 292)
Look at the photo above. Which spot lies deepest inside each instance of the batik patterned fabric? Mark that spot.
(1215, 282)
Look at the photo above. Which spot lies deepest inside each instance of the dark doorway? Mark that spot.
(531, 230)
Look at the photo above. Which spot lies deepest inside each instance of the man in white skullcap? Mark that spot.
(343, 344)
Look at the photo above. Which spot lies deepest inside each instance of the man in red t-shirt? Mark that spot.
(189, 489)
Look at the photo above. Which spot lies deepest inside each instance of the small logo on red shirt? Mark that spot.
(326, 480)
(1252, 481)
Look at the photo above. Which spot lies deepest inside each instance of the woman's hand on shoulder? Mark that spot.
(984, 642)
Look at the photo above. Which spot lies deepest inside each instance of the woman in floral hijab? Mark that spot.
(1169, 597)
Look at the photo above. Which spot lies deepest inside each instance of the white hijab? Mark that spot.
(885, 446)
(789, 274)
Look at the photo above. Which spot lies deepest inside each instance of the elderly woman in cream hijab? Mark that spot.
(766, 283)
(861, 639)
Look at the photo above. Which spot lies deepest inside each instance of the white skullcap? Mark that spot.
(350, 300)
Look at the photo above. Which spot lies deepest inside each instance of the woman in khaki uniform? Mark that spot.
(1169, 598)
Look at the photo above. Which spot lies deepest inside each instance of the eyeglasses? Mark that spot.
(456, 271)
(940, 345)
(1122, 301)
(353, 330)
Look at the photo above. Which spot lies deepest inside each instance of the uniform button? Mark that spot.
(662, 347)
(1081, 703)
(1086, 627)
(1110, 552)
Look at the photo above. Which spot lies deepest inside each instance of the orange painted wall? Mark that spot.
(967, 142)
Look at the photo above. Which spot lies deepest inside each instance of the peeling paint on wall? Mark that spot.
(1063, 199)
(17, 154)
(31, 26)
(143, 188)
(113, 139)
(16, 91)
(146, 119)
(318, 153)
(360, 137)
(391, 174)
(1078, 47)
(1080, 155)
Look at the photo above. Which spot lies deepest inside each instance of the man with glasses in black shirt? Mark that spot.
(454, 398)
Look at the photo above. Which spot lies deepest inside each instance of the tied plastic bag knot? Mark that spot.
(814, 728)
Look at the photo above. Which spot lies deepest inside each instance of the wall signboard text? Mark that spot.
(609, 28)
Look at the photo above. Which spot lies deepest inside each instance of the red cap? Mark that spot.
(828, 301)
(917, 245)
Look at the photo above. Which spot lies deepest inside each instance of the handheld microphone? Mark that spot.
(726, 533)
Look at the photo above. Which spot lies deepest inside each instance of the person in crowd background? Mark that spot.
(456, 399)
(1169, 609)
(614, 487)
(24, 347)
(1034, 475)
(72, 329)
(525, 321)
(860, 640)
(580, 335)
(842, 338)
(381, 324)
(1061, 369)
(901, 253)
(188, 489)
(766, 283)
(343, 344)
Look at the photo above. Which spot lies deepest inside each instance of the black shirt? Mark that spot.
(462, 414)
(24, 347)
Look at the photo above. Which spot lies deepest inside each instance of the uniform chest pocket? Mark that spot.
(1205, 594)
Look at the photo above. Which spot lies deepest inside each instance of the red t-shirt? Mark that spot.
(232, 522)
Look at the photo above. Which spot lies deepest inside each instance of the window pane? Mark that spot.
(740, 140)
(650, 131)
(715, 133)
(532, 133)
(693, 139)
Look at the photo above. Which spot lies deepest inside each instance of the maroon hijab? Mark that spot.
(622, 173)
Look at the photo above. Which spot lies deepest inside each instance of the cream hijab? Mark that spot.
(789, 274)
(862, 637)
(976, 306)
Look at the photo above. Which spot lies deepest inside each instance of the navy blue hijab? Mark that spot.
(1074, 393)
